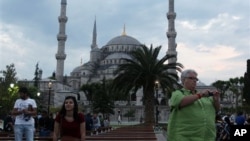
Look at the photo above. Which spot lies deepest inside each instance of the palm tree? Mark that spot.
(142, 71)
(88, 89)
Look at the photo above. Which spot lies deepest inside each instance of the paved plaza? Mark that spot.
(160, 137)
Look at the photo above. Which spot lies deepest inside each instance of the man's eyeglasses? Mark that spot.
(193, 78)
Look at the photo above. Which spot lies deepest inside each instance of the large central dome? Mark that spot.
(123, 40)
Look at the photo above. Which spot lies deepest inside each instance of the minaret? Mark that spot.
(171, 34)
(61, 37)
(94, 45)
(95, 51)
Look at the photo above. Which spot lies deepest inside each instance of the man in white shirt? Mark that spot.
(24, 110)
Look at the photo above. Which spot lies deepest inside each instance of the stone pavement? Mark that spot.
(160, 137)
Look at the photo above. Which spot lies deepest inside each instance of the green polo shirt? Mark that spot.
(195, 122)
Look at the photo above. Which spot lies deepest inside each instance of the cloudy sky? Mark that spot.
(213, 37)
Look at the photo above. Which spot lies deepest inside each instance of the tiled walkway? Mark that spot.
(160, 137)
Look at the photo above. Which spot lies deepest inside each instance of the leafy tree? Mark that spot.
(89, 89)
(102, 103)
(8, 95)
(36, 78)
(100, 96)
(235, 85)
(53, 76)
(222, 86)
(142, 71)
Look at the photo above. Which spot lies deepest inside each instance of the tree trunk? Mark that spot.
(149, 106)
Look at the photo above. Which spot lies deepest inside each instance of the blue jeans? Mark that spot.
(21, 129)
(44, 132)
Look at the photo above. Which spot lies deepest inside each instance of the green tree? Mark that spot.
(89, 89)
(142, 71)
(236, 86)
(36, 78)
(100, 96)
(222, 87)
(8, 95)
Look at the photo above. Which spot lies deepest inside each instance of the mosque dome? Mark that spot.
(77, 69)
(123, 40)
(117, 55)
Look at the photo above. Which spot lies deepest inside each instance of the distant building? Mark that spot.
(102, 63)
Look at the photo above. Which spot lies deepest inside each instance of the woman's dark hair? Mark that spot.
(75, 110)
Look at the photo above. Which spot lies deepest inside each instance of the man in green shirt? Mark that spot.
(192, 116)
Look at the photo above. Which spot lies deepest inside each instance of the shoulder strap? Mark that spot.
(181, 91)
(171, 108)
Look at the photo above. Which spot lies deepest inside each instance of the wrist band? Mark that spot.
(199, 95)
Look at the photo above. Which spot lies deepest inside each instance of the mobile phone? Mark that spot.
(210, 94)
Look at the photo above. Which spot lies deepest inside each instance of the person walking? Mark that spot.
(192, 116)
(69, 123)
(24, 110)
(119, 119)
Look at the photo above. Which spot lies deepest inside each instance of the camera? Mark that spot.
(210, 94)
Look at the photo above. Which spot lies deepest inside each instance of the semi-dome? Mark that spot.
(123, 40)
(77, 69)
(117, 56)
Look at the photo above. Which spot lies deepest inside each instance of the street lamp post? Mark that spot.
(156, 104)
(49, 86)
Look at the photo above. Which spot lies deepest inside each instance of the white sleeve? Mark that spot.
(16, 104)
(34, 103)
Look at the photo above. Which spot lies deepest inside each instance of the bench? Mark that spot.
(98, 131)
(35, 139)
(4, 134)
(130, 133)
(93, 138)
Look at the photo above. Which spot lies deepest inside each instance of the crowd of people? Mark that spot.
(68, 123)
(94, 122)
(192, 116)
(224, 123)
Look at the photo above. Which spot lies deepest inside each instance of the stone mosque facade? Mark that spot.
(102, 63)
